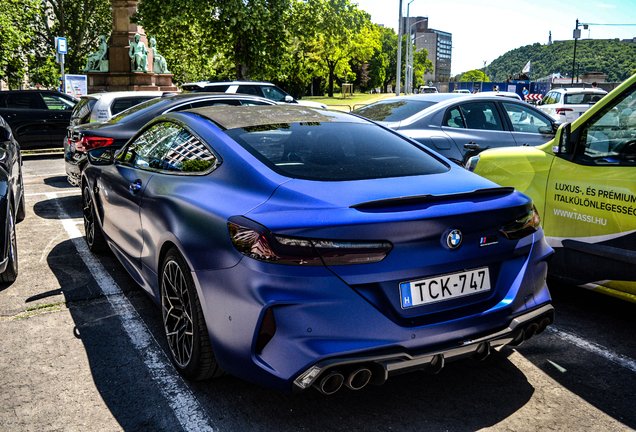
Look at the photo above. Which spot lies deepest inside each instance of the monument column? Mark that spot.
(120, 77)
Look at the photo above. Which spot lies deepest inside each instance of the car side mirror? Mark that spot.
(101, 156)
(564, 139)
(289, 99)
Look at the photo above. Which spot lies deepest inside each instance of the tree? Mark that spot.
(79, 21)
(341, 32)
(248, 36)
(474, 75)
(383, 62)
(15, 34)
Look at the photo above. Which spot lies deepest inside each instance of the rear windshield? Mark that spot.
(392, 111)
(582, 98)
(82, 112)
(335, 151)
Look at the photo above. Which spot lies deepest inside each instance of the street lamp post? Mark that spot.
(407, 75)
(577, 34)
(409, 59)
(399, 55)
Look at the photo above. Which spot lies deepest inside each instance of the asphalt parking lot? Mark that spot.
(82, 349)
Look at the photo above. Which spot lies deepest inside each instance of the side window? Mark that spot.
(481, 115)
(54, 102)
(253, 103)
(608, 138)
(24, 101)
(453, 118)
(122, 104)
(273, 93)
(250, 90)
(524, 119)
(217, 88)
(187, 154)
(148, 150)
(214, 102)
(168, 147)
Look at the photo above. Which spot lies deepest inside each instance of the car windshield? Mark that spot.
(138, 110)
(335, 151)
(393, 110)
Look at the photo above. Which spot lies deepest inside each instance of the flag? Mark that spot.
(526, 68)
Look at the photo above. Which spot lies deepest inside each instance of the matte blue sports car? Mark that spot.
(297, 247)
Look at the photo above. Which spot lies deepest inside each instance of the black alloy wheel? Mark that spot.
(92, 231)
(183, 321)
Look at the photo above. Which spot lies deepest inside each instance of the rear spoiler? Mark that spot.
(428, 199)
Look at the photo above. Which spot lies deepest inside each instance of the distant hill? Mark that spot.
(611, 57)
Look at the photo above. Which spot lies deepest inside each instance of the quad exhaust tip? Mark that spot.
(334, 380)
(358, 379)
(330, 384)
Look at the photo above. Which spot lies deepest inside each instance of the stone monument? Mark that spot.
(128, 40)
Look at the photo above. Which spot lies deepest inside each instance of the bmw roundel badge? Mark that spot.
(454, 239)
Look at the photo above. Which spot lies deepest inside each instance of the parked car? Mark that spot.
(38, 118)
(12, 208)
(100, 107)
(117, 130)
(462, 91)
(584, 186)
(254, 88)
(293, 246)
(568, 104)
(427, 89)
(460, 126)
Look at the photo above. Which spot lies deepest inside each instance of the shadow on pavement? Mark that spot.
(59, 182)
(601, 321)
(48, 210)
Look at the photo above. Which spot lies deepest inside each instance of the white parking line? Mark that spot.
(183, 403)
(619, 359)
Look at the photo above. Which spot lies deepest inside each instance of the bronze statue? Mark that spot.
(94, 61)
(159, 61)
(138, 55)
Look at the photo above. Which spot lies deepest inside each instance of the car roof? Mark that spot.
(207, 83)
(511, 95)
(243, 116)
(118, 94)
(579, 90)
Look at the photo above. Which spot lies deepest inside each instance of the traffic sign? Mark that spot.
(61, 45)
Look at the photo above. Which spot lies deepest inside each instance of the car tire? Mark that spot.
(11, 272)
(92, 231)
(183, 321)
(21, 213)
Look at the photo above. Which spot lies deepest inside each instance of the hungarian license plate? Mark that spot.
(444, 287)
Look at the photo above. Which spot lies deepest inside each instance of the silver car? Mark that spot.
(460, 126)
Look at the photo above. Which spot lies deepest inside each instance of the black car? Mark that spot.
(38, 118)
(12, 208)
(120, 128)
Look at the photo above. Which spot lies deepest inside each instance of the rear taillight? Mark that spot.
(256, 241)
(87, 143)
(562, 111)
(522, 227)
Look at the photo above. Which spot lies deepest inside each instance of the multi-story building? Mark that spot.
(438, 44)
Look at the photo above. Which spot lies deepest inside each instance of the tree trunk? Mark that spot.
(240, 60)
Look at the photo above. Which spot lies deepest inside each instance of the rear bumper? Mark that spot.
(382, 366)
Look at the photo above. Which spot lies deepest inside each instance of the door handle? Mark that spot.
(10, 115)
(135, 187)
(471, 146)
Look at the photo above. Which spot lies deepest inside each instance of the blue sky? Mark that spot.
(483, 31)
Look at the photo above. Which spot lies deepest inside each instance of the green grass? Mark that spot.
(351, 102)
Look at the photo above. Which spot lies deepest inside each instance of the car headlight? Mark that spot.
(472, 163)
